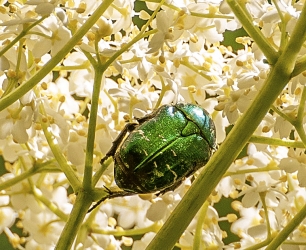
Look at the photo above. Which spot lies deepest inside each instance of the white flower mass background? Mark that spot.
(182, 60)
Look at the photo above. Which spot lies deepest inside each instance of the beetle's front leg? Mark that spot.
(111, 194)
(111, 153)
(127, 128)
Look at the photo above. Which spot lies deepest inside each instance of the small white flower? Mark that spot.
(283, 127)
(295, 162)
(249, 218)
(7, 218)
(42, 7)
(58, 35)
(131, 100)
(32, 244)
(76, 147)
(164, 34)
(157, 211)
(15, 121)
(144, 242)
(43, 227)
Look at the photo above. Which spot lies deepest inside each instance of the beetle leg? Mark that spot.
(111, 153)
(127, 128)
(97, 204)
(111, 194)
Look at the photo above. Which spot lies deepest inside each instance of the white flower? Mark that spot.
(131, 100)
(295, 162)
(157, 211)
(122, 15)
(249, 218)
(57, 37)
(182, 61)
(130, 211)
(60, 98)
(15, 121)
(32, 244)
(43, 227)
(164, 21)
(7, 218)
(144, 242)
(43, 7)
(76, 148)
(283, 127)
(266, 126)
(211, 234)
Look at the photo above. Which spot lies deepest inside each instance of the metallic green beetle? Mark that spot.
(162, 149)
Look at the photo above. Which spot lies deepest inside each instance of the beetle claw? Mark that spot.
(111, 195)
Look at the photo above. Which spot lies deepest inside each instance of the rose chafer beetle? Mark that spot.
(161, 150)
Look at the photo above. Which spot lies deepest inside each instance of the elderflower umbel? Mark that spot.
(134, 57)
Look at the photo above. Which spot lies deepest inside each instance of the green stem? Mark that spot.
(48, 167)
(239, 9)
(25, 87)
(295, 242)
(283, 115)
(87, 181)
(59, 156)
(300, 130)
(269, 167)
(195, 69)
(162, 92)
(85, 229)
(101, 170)
(19, 54)
(266, 210)
(285, 232)
(76, 217)
(276, 142)
(84, 65)
(202, 15)
(50, 205)
(259, 245)
(56, 149)
(300, 114)
(300, 66)
(128, 232)
(197, 242)
(298, 123)
(282, 27)
(279, 76)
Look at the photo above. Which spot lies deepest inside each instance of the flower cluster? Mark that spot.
(74, 73)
